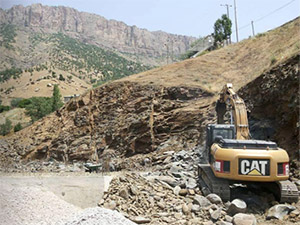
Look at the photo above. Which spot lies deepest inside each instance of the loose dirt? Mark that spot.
(48, 198)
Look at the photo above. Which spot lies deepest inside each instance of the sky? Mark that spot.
(186, 17)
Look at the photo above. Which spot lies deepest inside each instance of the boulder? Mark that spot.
(110, 205)
(196, 208)
(237, 206)
(124, 193)
(297, 182)
(140, 220)
(201, 201)
(228, 218)
(167, 179)
(176, 190)
(191, 191)
(215, 214)
(183, 192)
(295, 213)
(161, 204)
(185, 209)
(190, 183)
(213, 198)
(244, 219)
(279, 211)
(133, 190)
(175, 168)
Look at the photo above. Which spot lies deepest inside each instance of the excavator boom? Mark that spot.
(238, 110)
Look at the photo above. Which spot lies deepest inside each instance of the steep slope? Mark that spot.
(166, 108)
(273, 103)
(129, 41)
(238, 63)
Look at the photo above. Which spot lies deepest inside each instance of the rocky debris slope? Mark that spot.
(169, 194)
(273, 103)
(158, 200)
(95, 29)
(113, 121)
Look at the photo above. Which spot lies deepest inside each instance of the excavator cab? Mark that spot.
(216, 132)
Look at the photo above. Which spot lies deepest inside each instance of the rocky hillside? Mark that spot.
(129, 41)
(273, 103)
(33, 62)
(152, 112)
(120, 120)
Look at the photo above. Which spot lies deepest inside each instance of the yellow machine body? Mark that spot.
(253, 170)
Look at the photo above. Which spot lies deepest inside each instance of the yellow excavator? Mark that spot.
(231, 156)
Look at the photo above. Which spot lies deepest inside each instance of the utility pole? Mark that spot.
(252, 28)
(227, 7)
(236, 25)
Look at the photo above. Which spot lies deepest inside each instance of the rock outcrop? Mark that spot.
(115, 120)
(273, 103)
(94, 29)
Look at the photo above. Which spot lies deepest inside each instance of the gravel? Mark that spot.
(93, 216)
(31, 205)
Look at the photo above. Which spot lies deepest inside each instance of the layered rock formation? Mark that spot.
(273, 103)
(116, 120)
(133, 42)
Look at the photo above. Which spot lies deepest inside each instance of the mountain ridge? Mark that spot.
(133, 42)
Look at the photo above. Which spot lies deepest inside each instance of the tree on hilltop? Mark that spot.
(222, 30)
(56, 98)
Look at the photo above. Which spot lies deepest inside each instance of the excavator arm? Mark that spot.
(238, 109)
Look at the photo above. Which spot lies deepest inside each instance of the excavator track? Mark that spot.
(288, 191)
(209, 183)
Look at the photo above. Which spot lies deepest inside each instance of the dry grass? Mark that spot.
(16, 115)
(25, 89)
(238, 63)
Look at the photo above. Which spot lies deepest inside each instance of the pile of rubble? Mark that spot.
(160, 200)
(169, 194)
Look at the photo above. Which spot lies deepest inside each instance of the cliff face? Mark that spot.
(273, 103)
(121, 118)
(136, 43)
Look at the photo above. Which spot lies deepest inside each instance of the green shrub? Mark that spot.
(8, 34)
(15, 102)
(24, 102)
(18, 127)
(8, 73)
(38, 107)
(4, 108)
(6, 127)
(61, 77)
(273, 60)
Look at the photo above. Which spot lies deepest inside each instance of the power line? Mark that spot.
(261, 18)
(276, 10)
